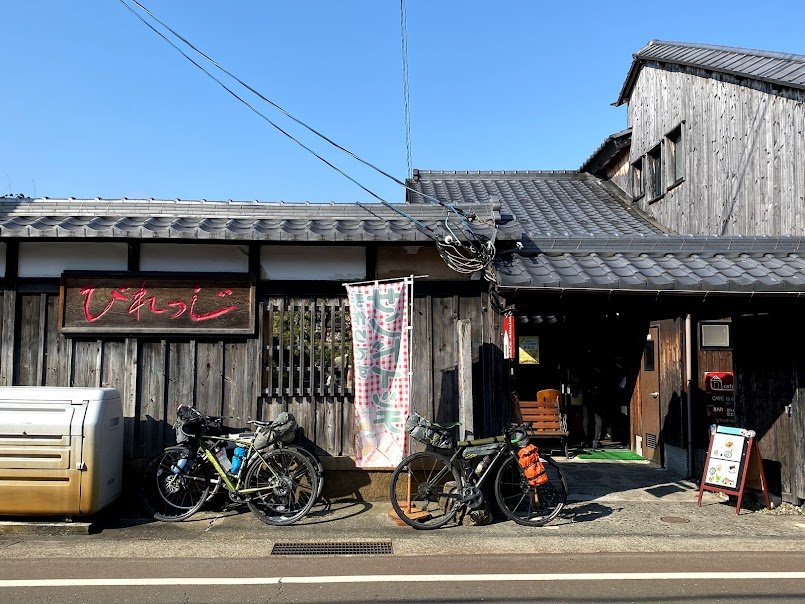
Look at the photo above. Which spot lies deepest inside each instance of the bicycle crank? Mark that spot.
(472, 497)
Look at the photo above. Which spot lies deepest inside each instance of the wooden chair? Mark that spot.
(545, 417)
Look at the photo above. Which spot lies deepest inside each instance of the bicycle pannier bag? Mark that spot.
(189, 424)
(283, 429)
(533, 468)
(425, 432)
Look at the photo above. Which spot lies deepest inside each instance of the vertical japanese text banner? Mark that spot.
(380, 341)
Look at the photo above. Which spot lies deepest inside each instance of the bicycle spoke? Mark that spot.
(424, 490)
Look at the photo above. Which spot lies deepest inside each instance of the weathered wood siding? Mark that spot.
(671, 358)
(224, 376)
(743, 143)
(769, 379)
(434, 388)
(152, 375)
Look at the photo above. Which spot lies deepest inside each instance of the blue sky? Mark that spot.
(95, 105)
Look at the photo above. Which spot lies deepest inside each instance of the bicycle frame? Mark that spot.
(466, 465)
(248, 460)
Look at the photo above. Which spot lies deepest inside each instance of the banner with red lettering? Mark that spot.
(380, 314)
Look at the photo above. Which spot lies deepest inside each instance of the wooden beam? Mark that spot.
(464, 356)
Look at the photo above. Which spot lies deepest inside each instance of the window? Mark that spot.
(676, 156)
(654, 185)
(649, 355)
(308, 348)
(715, 335)
(637, 178)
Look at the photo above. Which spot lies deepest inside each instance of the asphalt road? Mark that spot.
(614, 577)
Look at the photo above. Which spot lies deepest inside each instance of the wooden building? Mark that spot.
(661, 276)
(147, 264)
(662, 279)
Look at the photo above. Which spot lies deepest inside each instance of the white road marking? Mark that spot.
(167, 581)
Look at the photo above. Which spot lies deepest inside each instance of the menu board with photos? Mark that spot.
(725, 462)
(733, 455)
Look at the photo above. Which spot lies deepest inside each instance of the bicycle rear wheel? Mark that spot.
(316, 463)
(527, 504)
(175, 484)
(287, 486)
(425, 489)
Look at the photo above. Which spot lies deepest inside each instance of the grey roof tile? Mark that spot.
(774, 266)
(558, 203)
(787, 70)
(248, 221)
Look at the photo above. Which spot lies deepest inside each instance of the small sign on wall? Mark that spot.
(720, 391)
(529, 350)
(142, 303)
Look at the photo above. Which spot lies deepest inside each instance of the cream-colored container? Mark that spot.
(61, 450)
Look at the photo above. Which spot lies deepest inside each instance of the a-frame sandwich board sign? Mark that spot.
(733, 462)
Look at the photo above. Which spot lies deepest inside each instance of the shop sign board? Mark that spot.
(529, 350)
(733, 462)
(146, 303)
(508, 336)
(720, 392)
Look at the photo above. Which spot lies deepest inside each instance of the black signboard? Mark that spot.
(144, 303)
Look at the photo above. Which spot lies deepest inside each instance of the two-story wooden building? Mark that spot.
(666, 274)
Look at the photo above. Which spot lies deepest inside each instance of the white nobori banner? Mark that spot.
(381, 318)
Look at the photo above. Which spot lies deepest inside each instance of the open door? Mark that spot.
(649, 433)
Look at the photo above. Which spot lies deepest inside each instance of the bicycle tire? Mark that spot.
(316, 463)
(288, 483)
(527, 504)
(172, 496)
(426, 476)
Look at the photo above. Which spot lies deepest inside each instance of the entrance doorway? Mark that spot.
(648, 435)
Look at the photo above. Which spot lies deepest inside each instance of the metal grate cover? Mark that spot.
(651, 440)
(331, 548)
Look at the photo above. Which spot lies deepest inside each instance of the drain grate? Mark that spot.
(331, 548)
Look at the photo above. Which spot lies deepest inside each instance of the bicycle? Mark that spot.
(293, 444)
(277, 482)
(428, 489)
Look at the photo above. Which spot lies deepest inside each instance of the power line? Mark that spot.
(277, 107)
(474, 255)
(251, 107)
(406, 92)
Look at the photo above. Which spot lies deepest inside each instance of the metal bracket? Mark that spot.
(81, 466)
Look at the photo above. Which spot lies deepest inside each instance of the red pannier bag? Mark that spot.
(533, 468)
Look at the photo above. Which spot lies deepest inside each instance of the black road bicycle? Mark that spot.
(428, 489)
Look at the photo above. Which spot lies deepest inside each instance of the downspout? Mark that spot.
(689, 389)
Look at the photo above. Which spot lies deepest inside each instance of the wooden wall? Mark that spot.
(153, 375)
(770, 396)
(223, 376)
(434, 389)
(743, 144)
(673, 392)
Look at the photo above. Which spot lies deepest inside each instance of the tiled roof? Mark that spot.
(556, 203)
(225, 220)
(606, 151)
(786, 70)
(671, 263)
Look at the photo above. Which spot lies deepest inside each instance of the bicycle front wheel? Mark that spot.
(527, 504)
(286, 486)
(425, 489)
(175, 484)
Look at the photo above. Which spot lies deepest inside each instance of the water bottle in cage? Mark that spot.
(237, 459)
(483, 465)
